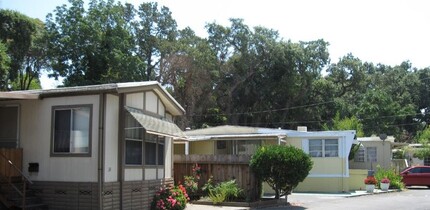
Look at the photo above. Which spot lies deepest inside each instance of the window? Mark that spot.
(425, 170)
(359, 156)
(247, 147)
(371, 154)
(324, 148)
(71, 133)
(154, 150)
(142, 148)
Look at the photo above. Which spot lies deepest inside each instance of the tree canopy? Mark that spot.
(22, 51)
(237, 74)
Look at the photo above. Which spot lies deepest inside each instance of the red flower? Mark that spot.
(385, 180)
(370, 180)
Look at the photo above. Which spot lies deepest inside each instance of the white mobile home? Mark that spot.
(93, 147)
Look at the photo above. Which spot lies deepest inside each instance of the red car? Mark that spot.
(416, 175)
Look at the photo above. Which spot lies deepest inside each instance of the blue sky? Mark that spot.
(378, 31)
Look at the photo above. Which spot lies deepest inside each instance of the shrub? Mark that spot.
(282, 167)
(208, 186)
(225, 191)
(173, 197)
(191, 182)
(395, 179)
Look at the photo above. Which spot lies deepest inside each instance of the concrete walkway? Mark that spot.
(295, 199)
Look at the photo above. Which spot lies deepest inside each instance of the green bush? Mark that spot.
(225, 191)
(395, 179)
(208, 186)
(282, 167)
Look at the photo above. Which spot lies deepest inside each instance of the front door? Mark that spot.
(9, 126)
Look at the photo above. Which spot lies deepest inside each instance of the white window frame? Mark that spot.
(322, 151)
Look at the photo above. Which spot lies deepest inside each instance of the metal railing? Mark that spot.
(23, 177)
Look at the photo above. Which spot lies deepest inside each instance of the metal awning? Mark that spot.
(155, 125)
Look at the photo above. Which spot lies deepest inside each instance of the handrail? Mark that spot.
(16, 168)
(23, 176)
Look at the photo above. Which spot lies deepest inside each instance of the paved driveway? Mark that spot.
(297, 201)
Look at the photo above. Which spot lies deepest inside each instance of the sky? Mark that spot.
(377, 31)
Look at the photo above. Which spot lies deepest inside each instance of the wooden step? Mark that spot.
(39, 206)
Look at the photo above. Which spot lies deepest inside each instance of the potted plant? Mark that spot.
(370, 183)
(385, 184)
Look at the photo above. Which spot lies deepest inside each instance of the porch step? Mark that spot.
(39, 206)
(10, 199)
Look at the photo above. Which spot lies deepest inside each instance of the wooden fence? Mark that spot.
(221, 168)
(15, 156)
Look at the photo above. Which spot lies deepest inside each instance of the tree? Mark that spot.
(183, 70)
(93, 46)
(156, 33)
(4, 66)
(282, 167)
(347, 123)
(423, 138)
(24, 57)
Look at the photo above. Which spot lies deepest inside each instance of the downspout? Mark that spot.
(187, 148)
(102, 103)
(121, 163)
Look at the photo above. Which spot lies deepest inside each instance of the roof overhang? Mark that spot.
(237, 137)
(18, 96)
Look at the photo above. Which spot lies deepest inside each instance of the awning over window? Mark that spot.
(155, 125)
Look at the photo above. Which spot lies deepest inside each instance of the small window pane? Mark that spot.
(371, 154)
(133, 130)
(359, 156)
(161, 153)
(133, 153)
(315, 148)
(79, 136)
(150, 153)
(247, 147)
(62, 131)
(331, 148)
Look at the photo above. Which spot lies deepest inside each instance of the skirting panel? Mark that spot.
(67, 195)
(139, 194)
(84, 196)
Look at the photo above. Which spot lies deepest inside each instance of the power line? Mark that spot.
(263, 111)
